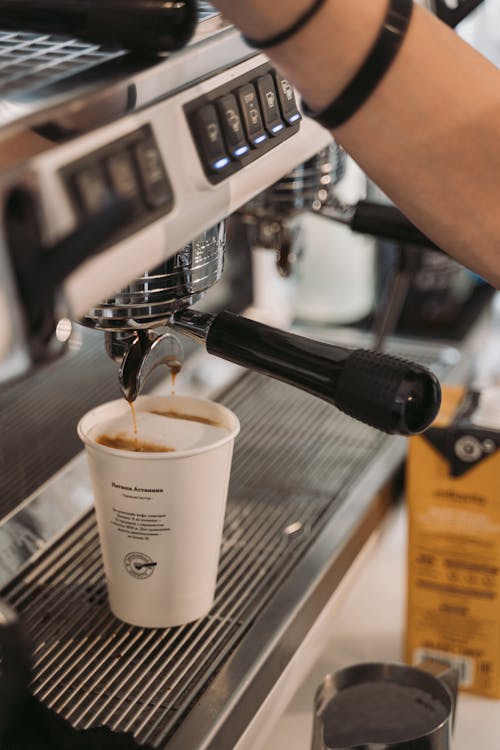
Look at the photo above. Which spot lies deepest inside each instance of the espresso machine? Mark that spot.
(120, 172)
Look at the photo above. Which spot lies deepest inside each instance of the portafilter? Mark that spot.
(391, 394)
(269, 216)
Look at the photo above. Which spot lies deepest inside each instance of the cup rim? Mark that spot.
(167, 456)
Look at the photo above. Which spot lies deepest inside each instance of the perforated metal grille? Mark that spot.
(30, 61)
(295, 462)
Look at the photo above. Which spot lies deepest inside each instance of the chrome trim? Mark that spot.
(224, 712)
(43, 518)
(151, 299)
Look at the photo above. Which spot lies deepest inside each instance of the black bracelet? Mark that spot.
(374, 68)
(283, 36)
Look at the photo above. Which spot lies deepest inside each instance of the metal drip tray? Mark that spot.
(29, 61)
(39, 71)
(303, 485)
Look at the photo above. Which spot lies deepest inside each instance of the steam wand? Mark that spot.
(376, 219)
(385, 222)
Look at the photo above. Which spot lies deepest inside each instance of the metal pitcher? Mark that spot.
(386, 707)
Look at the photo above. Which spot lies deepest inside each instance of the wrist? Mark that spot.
(324, 55)
(323, 58)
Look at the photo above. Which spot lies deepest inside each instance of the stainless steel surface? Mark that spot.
(192, 323)
(29, 61)
(301, 505)
(40, 496)
(308, 186)
(146, 353)
(93, 669)
(42, 71)
(151, 300)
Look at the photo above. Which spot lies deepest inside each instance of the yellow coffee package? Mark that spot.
(453, 496)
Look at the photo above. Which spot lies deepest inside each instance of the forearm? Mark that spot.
(429, 135)
(321, 59)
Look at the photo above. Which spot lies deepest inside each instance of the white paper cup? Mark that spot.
(160, 515)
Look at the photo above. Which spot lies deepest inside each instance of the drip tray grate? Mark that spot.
(29, 61)
(295, 463)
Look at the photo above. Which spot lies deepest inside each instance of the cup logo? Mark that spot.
(139, 565)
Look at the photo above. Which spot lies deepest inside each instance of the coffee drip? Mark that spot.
(134, 442)
(121, 441)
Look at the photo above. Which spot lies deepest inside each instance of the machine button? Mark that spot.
(91, 188)
(123, 178)
(155, 185)
(286, 94)
(232, 127)
(270, 107)
(252, 117)
(211, 140)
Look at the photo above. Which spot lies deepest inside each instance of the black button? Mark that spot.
(270, 107)
(211, 140)
(252, 117)
(123, 179)
(232, 127)
(286, 94)
(156, 188)
(91, 188)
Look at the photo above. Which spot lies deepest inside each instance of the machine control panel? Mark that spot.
(236, 124)
(131, 168)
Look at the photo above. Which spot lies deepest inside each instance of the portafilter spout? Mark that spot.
(139, 354)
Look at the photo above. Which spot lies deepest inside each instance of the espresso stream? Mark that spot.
(124, 442)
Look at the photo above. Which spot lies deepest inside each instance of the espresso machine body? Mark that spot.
(115, 188)
(126, 129)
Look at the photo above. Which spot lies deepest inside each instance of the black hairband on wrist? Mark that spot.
(283, 36)
(374, 68)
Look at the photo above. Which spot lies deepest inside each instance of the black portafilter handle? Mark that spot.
(388, 393)
(387, 222)
(144, 26)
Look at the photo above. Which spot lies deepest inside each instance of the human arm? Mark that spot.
(429, 135)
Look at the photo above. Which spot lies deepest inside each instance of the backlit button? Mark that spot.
(92, 190)
(270, 107)
(155, 185)
(123, 178)
(286, 94)
(252, 117)
(232, 127)
(210, 139)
